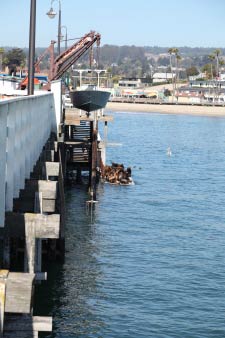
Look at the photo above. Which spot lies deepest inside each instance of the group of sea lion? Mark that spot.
(117, 174)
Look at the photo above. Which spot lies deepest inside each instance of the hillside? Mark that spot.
(135, 61)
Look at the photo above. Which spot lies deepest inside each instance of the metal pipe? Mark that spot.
(59, 27)
(31, 47)
(65, 36)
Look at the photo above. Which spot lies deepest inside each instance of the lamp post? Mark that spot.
(31, 47)
(51, 14)
(65, 36)
(98, 71)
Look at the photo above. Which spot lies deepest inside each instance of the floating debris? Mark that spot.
(117, 174)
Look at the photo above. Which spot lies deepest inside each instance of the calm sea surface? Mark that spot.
(152, 264)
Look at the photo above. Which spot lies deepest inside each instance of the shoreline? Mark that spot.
(166, 109)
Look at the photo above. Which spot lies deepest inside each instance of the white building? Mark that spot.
(130, 83)
(163, 77)
(196, 77)
(222, 77)
(8, 85)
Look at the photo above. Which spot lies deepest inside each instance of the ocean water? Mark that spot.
(151, 263)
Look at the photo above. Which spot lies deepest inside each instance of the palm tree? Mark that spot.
(178, 58)
(217, 53)
(172, 51)
(211, 58)
(1, 57)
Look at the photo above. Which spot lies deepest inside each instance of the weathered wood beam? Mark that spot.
(51, 169)
(19, 291)
(72, 117)
(3, 279)
(25, 204)
(47, 188)
(46, 226)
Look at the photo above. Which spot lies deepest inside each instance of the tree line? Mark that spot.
(133, 61)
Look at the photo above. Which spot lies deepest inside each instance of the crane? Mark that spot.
(49, 50)
(67, 58)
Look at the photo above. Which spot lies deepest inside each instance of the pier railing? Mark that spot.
(25, 125)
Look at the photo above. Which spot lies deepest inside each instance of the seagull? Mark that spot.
(169, 152)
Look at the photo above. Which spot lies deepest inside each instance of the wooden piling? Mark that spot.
(93, 165)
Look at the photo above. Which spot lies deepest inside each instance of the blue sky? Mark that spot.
(194, 23)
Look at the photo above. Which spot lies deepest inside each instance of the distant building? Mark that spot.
(8, 84)
(222, 77)
(138, 93)
(130, 83)
(134, 83)
(163, 77)
(202, 91)
(188, 94)
(207, 84)
(196, 77)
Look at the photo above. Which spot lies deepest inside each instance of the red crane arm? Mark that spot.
(67, 58)
(50, 50)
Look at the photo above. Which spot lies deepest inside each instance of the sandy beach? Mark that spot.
(166, 109)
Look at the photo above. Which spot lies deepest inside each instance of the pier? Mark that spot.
(42, 146)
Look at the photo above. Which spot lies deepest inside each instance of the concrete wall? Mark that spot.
(56, 89)
(25, 125)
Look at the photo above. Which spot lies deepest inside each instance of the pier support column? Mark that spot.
(38, 243)
(29, 256)
(38, 226)
(94, 135)
(78, 176)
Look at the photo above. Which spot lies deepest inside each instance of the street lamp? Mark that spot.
(62, 36)
(98, 71)
(51, 14)
(31, 47)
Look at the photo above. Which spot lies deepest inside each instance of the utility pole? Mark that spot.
(31, 47)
